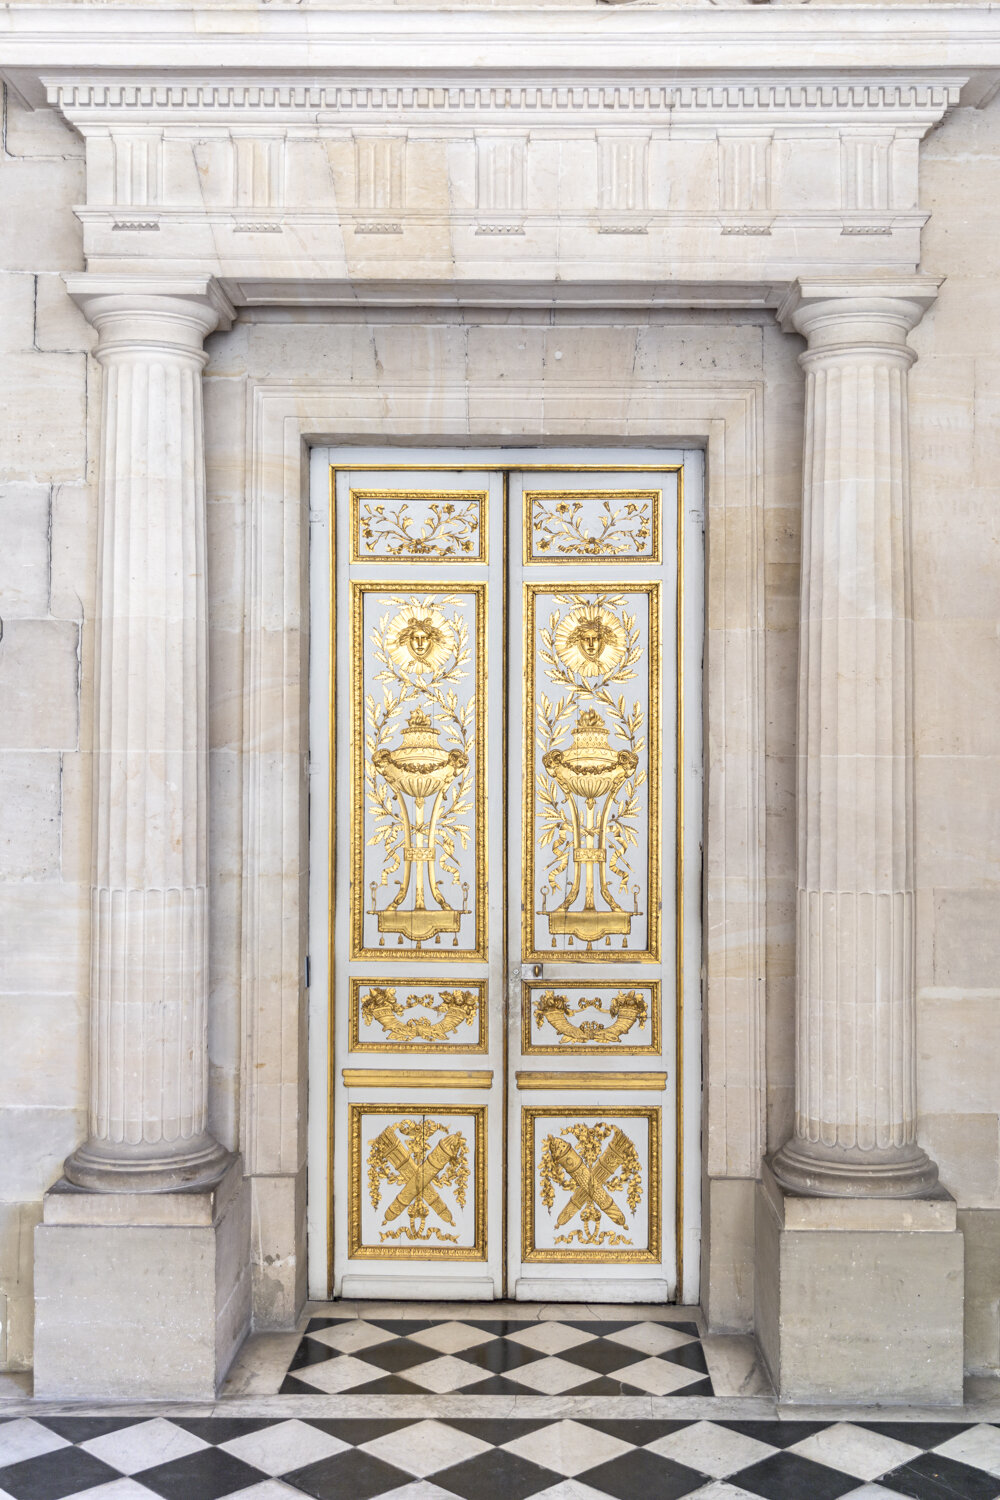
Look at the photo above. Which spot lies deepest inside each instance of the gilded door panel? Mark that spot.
(591, 1185)
(603, 1019)
(406, 526)
(410, 1015)
(591, 864)
(592, 525)
(418, 826)
(418, 1182)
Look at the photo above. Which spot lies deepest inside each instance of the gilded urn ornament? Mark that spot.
(590, 772)
(418, 771)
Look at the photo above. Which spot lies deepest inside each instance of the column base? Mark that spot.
(841, 1172)
(859, 1301)
(141, 1296)
(144, 1168)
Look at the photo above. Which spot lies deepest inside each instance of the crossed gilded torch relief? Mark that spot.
(418, 773)
(421, 1172)
(589, 794)
(603, 1162)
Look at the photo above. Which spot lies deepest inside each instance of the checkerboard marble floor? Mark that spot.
(266, 1458)
(472, 1356)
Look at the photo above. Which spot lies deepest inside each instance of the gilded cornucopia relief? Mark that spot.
(593, 759)
(412, 1016)
(418, 815)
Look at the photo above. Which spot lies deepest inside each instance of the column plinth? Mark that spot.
(855, 1086)
(149, 904)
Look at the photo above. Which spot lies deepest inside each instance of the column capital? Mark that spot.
(840, 313)
(137, 310)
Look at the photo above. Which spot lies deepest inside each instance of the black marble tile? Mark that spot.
(496, 1475)
(398, 1354)
(222, 1429)
(690, 1356)
(358, 1430)
(388, 1385)
(637, 1430)
(316, 1325)
(603, 1385)
(209, 1473)
(778, 1434)
(641, 1475)
(348, 1476)
(496, 1385)
(789, 1476)
(292, 1387)
(311, 1352)
(602, 1356)
(403, 1327)
(496, 1430)
(934, 1477)
(82, 1429)
(50, 1476)
(499, 1356)
(919, 1434)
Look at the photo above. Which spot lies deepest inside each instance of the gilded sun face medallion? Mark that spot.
(419, 639)
(590, 640)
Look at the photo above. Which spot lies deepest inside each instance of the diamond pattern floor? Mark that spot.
(266, 1458)
(498, 1357)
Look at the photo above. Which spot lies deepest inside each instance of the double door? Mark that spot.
(506, 953)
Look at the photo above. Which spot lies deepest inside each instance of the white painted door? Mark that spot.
(506, 958)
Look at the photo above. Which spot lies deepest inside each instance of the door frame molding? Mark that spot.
(286, 419)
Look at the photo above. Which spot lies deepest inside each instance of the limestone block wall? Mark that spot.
(47, 562)
(47, 550)
(955, 396)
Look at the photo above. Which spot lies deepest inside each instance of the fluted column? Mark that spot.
(855, 1104)
(149, 903)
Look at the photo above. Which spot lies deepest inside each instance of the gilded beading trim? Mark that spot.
(359, 1251)
(653, 1254)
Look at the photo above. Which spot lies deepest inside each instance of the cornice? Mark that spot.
(917, 100)
(308, 40)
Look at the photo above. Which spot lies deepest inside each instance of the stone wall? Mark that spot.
(47, 549)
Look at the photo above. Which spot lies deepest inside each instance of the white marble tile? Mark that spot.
(448, 1338)
(712, 1450)
(338, 1375)
(26, 1438)
(863, 1492)
(144, 1445)
(286, 1446)
(425, 1448)
(979, 1446)
(855, 1450)
(650, 1338)
(551, 1337)
(268, 1489)
(420, 1489)
(444, 1374)
(718, 1489)
(568, 1447)
(353, 1336)
(571, 1489)
(656, 1376)
(551, 1376)
(122, 1489)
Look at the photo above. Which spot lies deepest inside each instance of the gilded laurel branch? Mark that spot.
(621, 531)
(591, 1172)
(450, 529)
